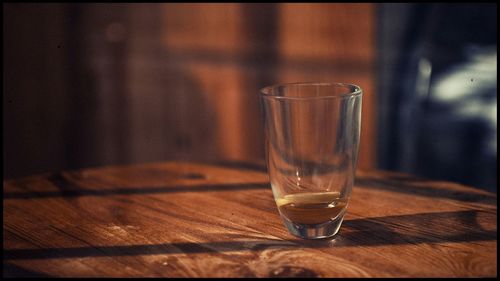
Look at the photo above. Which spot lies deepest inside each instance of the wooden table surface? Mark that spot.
(199, 220)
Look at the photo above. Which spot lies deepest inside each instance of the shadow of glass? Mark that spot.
(458, 226)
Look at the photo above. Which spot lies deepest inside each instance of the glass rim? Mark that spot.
(355, 90)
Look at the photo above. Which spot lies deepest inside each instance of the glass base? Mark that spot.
(314, 231)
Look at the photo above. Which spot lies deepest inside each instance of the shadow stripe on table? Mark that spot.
(73, 192)
(427, 191)
(70, 189)
(391, 230)
(14, 271)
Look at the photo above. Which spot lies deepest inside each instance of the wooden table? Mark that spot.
(199, 220)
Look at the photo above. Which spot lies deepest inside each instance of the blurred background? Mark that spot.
(88, 85)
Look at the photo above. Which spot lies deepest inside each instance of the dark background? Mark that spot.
(88, 85)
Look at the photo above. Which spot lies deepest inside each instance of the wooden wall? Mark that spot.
(152, 82)
(235, 49)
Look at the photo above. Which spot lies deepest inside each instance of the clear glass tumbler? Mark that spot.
(312, 137)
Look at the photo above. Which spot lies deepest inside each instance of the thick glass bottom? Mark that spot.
(314, 231)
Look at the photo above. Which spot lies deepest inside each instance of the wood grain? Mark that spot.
(197, 220)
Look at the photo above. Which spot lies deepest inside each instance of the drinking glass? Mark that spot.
(312, 137)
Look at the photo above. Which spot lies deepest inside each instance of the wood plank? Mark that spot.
(198, 220)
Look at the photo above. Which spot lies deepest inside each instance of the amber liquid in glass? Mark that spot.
(311, 208)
